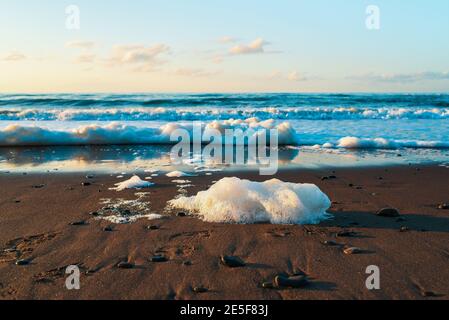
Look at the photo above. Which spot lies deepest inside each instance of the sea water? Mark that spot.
(126, 132)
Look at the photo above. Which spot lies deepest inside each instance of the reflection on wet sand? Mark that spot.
(157, 157)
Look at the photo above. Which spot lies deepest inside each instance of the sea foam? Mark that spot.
(134, 183)
(232, 200)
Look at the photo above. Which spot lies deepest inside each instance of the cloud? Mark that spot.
(186, 72)
(402, 77)
(85, 58)
(256, 46)
(141, 58)
(295, 76)
(80, 44)
(228, 39)
(14, 56)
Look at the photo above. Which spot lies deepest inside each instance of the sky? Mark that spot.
(224, 46)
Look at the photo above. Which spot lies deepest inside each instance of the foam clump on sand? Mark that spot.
(232, 200)
(177, 174)
(133, 183)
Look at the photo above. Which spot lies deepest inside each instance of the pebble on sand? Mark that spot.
(330, 243)
(125, 265)
(86, 184)
(158, 258)
(232, 262)
(291, 282)
(200, 289)
(22, 262)
(352, 250)
(388, 212)
(78, 223)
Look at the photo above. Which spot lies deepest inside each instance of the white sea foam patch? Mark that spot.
(381, 143)
(232, 200)
(121, 211)
(134, 183)
(121, 133)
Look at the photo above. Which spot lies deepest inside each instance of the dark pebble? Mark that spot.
(291, 282)
(78, 223)
(158, 258)
(108, 229)
(267, 285)
(350, 185)
(232, 262)
(125, 265)
(187, 263)
(352, 250)
(443, 206)
(94, 214)
(388, 212)
(39, 186)
(330, 243)
(153, 228)
(346, 234)
(181, 214)
(22, 262)
(200, 290)
(328, 178)
(86, 184)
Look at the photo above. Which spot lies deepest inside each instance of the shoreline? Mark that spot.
(39, 227)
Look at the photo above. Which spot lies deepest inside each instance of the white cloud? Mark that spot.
(296, 76)
(14, 56)
(80, 44)
(141, 58)
(186, 72)
(402, 77)
(85, 58)
(228, 39)
(256, 46)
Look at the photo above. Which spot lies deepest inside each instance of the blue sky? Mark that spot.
(213, 46)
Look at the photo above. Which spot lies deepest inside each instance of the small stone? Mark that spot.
(350, 185)
(78, 223)
(200, 290)
(404, 229)
(22, 262)
(181, 214)
(187, 263)
(330, 243)
(232, 262)
(125, 265)
(443, 206)
(108, 229)
(291, 282)
(86, 184)
(346, 234)
(158, 258)
(388, 213)
(17, 201)
(352, 250)
(39, 186)
(94, 214)
(267, 285)
(153, 227)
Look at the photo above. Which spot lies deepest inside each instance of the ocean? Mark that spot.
(371, 126)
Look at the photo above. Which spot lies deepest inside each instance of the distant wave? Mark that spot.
(119, 134)
(207, 114)
(225, 100)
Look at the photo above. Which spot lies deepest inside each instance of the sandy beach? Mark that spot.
(50, 220)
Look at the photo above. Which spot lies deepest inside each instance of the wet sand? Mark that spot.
(37, 210)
